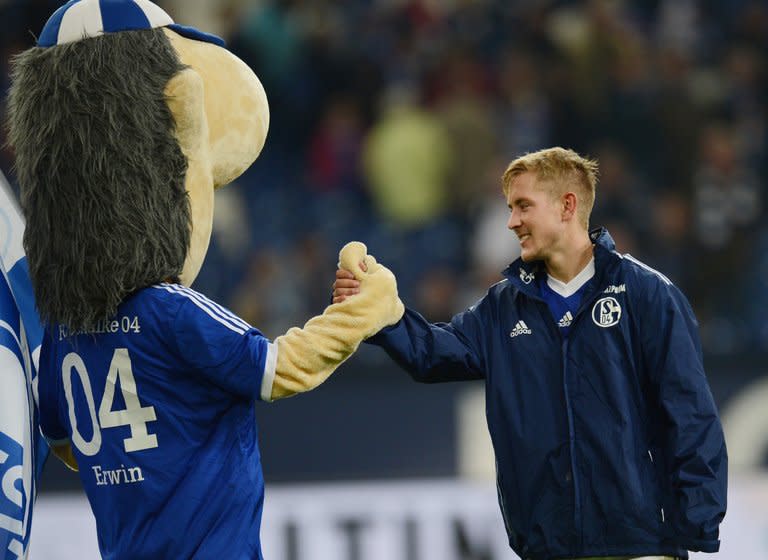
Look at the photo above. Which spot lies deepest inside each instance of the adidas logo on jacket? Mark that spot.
(520, 328)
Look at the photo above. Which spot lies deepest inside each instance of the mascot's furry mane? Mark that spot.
(102, 174)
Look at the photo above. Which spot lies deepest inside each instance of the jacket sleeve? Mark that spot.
(695, 450)
(434, 352)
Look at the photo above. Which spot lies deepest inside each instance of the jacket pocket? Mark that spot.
(653, 485)
(502, 500)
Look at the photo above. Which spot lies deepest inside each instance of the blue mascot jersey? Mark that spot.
(158, 404)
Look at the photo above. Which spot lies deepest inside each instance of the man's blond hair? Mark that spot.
(559, 171)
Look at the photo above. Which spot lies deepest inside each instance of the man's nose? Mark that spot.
(514, 220)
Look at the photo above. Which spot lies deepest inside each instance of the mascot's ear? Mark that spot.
(185, 96)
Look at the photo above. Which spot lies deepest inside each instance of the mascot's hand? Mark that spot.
(377, 305)
(306, 357)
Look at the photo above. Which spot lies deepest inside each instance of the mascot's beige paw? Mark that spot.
(306, 357)
(378, 303)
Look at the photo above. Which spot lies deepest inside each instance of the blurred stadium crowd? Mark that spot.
(393, 120)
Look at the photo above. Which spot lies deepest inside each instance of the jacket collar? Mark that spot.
(523, 275)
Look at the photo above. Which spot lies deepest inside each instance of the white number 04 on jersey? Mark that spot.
(133, 415)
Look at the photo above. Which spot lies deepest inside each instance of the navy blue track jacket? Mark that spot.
(607, 443)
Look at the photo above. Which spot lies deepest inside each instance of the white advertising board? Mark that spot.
(424, 520)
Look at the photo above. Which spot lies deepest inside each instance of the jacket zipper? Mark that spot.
(585, 303)
(572, 447)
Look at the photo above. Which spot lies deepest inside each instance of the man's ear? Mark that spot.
(570, 202)
(185, 94)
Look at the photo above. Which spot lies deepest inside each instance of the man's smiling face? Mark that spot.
(535, 217)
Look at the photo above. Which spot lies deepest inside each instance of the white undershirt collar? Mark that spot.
(567, 289)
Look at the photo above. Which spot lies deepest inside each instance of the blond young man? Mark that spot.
(606, 436)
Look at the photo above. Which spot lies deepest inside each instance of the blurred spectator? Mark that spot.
(271, 33)
(727, 203)
(678, 115)
(622, 199)
(668, 246)
(744, 101)
(335, 148)
(727, 194)
(464, 111)
(408, 161)
(522, 113)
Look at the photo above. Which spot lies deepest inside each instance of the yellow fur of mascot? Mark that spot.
(124, 123)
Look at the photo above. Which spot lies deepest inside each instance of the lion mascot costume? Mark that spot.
(123, 124)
